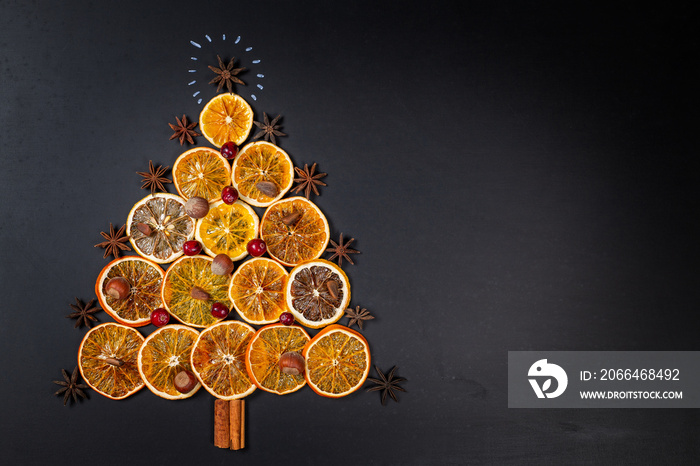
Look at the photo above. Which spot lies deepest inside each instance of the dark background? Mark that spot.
(517, 178)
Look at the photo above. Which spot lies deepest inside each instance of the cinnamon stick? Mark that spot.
(235, 424)
(221, 424)
(242, 423)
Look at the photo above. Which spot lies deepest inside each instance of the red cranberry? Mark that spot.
(256, 247)
(160, 317)
(229, 195)
(286, 318)
(229, 150)
(218, 310)
(191, 248)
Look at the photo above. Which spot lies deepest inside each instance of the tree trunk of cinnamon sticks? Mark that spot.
(229, 424)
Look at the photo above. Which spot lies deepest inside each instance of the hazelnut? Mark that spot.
(184, 381)
(197, 207)
(144, 228)
(292, 363)
(118, 288)
(198, 293)
(222, 265)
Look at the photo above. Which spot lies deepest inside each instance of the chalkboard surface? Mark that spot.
(516, 177)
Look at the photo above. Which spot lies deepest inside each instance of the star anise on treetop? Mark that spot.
(154, 179)
(341, 251)
(226, 75)
(358, 316)
(308, 181)
(71, 387)
(115, 242)
(388, 384)
(184, 130)
(268, 129)
(84, 313)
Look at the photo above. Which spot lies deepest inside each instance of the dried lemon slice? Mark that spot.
(227, 229)
(318, 292)
(158, 227)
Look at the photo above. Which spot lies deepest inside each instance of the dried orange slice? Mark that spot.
(165, 353)
(263, 356)
(258, 290)
(181, 278)
(295, 231)
(318, 292)
(202, 172)
(145, 278)
(158, 227)
(227, 229)
(337, 361)
(265, 163)
(226, 117)
(218, 360)
(107, 360)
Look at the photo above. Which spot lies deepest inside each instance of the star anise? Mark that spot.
(308, 181)
(154, 179)
(115, 242)
(184, 130)
(341, 251)
(71, 387)
(226, 75)
(268, 129)
(84, 313)
(358, 316)
(388, 384)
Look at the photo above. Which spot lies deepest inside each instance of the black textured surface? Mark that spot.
(516, 178)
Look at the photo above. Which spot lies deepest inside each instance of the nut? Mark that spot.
(222, 265)
(197, 207)
(184, 381)
(118, 288)
(268, 188)
(144, 228)
(292, 363)
(198, 293)
(291, 219)
(332, 286)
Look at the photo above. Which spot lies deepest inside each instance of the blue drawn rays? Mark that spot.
(242, 58)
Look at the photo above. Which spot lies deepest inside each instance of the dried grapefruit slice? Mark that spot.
(227, 229)
(163, 355)
(226, 117)
(317, 293)
(107, 360)
(188, 306)
(202, 172)
(218, 360)
(263, 356)
(258, 290)
(264, 163)
(145, 278)
(337, 361)
(295, 230)
(158, 227)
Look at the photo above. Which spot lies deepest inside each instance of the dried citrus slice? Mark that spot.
(263, 356)
(158, 227)
(202, 172)
(337, 361)
(218, 360)
(295, 231)
(144, 278)
(318, 292)
(262, 173)
(185, 281)
(163, 355)
(257, 290)
(227, 229)
(226, 117)
(107, 360)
